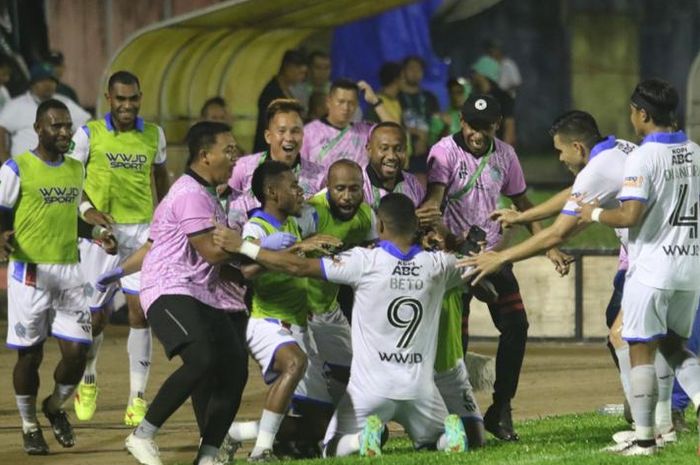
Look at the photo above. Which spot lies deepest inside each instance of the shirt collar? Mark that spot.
(374, 177)
(325, 121)
(203, 182)
(605, 144)
(394, 251)
(110, 127)
(260, 213)
(666, 137)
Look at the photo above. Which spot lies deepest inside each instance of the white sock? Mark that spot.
(664, 377)
(623, 360)
(206, 454)
(27, 412)
(139, 347)
(688, 375)
(347, 445)
(146, 430)
(61, 393)
(269, 425)
(442, 442)
(244, 430)
(643, 399)
(90, 374)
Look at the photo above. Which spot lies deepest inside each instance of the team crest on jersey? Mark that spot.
(625, 147)
(633, 181)
(20, 330)
(496, 174)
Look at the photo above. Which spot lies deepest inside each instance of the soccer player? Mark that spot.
(660, 207)
(41, 189)
(188, 300)
(120, 152)
(467, 173)
(329, 139)
(277, 333)
(284, 136)
(398, 291)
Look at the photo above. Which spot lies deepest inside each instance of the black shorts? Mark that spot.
(178, 320)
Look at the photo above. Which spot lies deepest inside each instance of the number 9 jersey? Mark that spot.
(396, 312)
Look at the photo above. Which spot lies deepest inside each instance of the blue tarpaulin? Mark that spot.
(360, 48)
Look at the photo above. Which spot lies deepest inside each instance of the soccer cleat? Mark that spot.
(623, 437)
(263, 457)
(85, 401)
(143, 450)
(662, 439)
(455, 435)
(62, 430)
(227, 451)
(499, 422)
(34, 442)
(371, 437)
(634, 449)
(135, 411)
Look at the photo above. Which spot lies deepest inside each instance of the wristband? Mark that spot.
(595, 214)
(249, 249)
(97, 231)
(83, 207)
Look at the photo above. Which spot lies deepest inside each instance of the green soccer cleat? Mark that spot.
(135, 412)
(455, 435)
(85, 401)
(371, 437)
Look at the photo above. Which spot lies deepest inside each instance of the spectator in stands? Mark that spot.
(509, 78)
(390, 80)
(419, 106)
(215, 110)
(5, 76)
(18, 115)
(57, 60)
(318, 106)
(318, 79)
(449, 122)
(292, 72)
(485, 74)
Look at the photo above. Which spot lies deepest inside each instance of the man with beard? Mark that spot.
(42, 189)
(122, 154)
(336, 137)
(277, 333)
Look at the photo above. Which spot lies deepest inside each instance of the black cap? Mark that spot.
(481, 108)
(40, 71)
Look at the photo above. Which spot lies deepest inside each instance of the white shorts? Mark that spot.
(95, 261)
(649, 313)
(43, 300)
(332, 335)
(457, 392)
(422, 418)
(266, 335)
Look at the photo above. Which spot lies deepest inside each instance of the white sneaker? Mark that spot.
(636, 449)
(623, 437)
(143, 450)
(664, 439)
(617, 447)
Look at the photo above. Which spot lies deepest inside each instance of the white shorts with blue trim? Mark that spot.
(423, 418)
(46, 300)
(95, 261)
(266, 335)
(650, 313)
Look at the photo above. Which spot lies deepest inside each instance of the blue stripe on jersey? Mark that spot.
(18, 271)
(12, 164)
(391, 248)
(569, 212)
(639, 199)
(666, 137)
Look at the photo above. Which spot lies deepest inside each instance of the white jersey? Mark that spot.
(602, 177)
(664, 173)
(395, 316)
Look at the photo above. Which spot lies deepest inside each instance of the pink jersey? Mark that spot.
(324, 144)
(408, 185)
(450, 164)
(239, 205)
(311, 177)
(172, 266)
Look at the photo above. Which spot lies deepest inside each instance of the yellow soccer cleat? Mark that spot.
(85, 401)
(135, 412)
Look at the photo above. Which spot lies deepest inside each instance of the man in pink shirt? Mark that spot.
(467, 173)
(329, 139)
(384, 173)
(192, 308)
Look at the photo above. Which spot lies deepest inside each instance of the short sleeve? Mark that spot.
(9, 184)
(161, 154)
(194, 213)
(439, 169)
(80, 146)
(345, 268)
(636, 184)
(513, 179)
(253, 231)
(583, 190)
(450, 272)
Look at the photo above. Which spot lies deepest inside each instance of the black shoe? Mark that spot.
(62, 429)
(34, 443)
(678, 419)
(499, 422)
